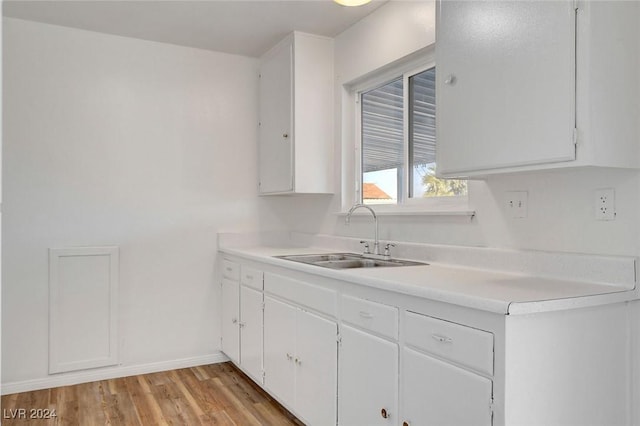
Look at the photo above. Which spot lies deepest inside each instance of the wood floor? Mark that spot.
(217, 394)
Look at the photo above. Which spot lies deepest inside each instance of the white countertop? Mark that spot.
(493, 291)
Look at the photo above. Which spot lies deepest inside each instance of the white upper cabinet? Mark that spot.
(276, 114)
(531, 85)
(608, 83)
(296, 116)
(505, 84)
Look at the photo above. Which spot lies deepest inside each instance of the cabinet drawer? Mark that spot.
(461, 344)
(315, 297)
(372, 316)
(230, 270)
(251, 277)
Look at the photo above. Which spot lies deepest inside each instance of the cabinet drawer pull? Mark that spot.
(384, 413)
(442, 339)
(366, 315)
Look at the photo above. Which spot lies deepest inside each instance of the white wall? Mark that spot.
(560, 215)
(391, 32)
(116, 141)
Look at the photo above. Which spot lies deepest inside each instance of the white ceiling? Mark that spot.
(232, 26)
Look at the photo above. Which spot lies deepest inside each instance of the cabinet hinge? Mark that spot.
(492, 408)
(575, 136)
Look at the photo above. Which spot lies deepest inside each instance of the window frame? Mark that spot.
(456, 203)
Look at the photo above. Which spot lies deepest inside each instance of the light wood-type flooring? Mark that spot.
(217, 394)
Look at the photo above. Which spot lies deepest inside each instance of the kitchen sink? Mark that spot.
(346, 261)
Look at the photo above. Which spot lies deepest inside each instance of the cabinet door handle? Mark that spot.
(298, 361)
(366, 315)
(289, 357)
(242, 324)
(442, 339)
(285, 135)
(234, 320)
(450, 80)
(384, 413)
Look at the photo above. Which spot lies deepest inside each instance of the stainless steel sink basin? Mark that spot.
(346, 261)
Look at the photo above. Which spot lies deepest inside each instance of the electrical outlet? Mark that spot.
(516, 204)
(605, 204)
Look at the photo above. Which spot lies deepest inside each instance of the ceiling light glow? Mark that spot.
(351, 2)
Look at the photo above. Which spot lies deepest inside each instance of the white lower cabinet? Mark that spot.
(251, 332)
(280, 349)
(438, 393)
(316, 369)
(300, 361)
(445, 375)
(402, 361)
(438, 372)
(368, 379)
(231, 319)
(242, 318)
(436, 369)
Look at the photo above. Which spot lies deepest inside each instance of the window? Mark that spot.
(398, 142)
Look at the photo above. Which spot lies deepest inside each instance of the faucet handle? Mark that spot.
(366, 246)
(387, 247)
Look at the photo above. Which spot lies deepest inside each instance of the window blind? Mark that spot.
(382, 123)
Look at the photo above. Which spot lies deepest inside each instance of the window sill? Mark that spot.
(414, 212)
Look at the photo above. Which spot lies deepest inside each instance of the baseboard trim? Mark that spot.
(66, 379)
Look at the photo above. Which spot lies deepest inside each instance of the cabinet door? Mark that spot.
(275, 149)
(368, 379)
(279, 349)
(251, 332)
(505, 84)
(230, 319)
(438, 393)
(316, 369)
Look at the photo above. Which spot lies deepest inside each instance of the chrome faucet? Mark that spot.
(376, 243)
